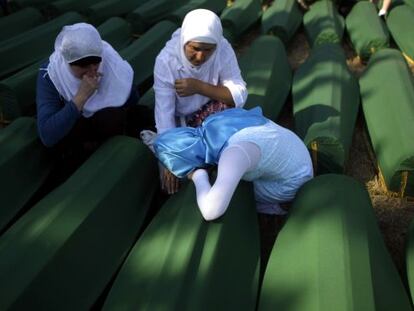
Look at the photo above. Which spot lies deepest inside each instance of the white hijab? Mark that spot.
(199, 25)
(79, 41)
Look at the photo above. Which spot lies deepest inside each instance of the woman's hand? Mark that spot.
(169, 183)
(190, 175)
(187, 87)
(89, 84)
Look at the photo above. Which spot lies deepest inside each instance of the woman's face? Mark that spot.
(89, 70)
(198, 53)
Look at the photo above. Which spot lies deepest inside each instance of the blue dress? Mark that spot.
(184, 149)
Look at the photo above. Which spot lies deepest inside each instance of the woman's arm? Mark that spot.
(191, 86)
(54, 120)
(164, 111)
(234, 162)
(230, 77)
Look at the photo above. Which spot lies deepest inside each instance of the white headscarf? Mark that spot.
(201, 26)
(79, 41)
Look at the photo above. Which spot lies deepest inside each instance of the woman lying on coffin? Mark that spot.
(244, 145)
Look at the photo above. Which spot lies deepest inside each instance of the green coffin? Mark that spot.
(409, 3)
(16, 5)
(117, 32)
(19, 22)
(148, 99)
(18, 92)
(61, 6)
(151, 12)
(325, 106)
(400, 22)
(24, 165)
(268, 76)
(239, 17)
(323, 23)
(330, 254)
(387, 94)
(102, 10)
(409, 258)
(63, 252)
(178, 15)
(366, 30)
(33, 45)
(142, 52)
(182, 262)
(282, 19)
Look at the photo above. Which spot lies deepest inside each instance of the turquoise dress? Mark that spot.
(184, 149)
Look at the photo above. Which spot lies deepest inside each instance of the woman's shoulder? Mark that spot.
(170, 52)
(227, 48)
(43, 79)
(43, 74)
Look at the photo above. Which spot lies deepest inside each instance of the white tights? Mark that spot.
(234, 162)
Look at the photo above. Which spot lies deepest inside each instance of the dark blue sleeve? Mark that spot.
(55, 117)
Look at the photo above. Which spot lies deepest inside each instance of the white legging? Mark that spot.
(234, 162)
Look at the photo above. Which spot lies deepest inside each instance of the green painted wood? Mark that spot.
(323, 24)
(366, 29)
(58, 7)
(24, 165)
(409, 259)
(398, 21)
(16, 5)
(409, 3)
(330, 254)
(387, 94)
(178, 15)
(239, 17)
(142, 52)
(148, 99)
(105, 9)
(19, 22)
(182, 262)
(282, 19)
(117, 32)
(325, 106)
(152, 12)
(268, 76)
(18, 92)
(63, 252)
(39, 41)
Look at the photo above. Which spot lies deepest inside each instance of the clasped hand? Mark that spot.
(169, 183)
(89, 84)
(187, 87)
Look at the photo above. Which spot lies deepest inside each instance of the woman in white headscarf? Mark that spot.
(85, 95)
(83, 89)
(196, 74)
